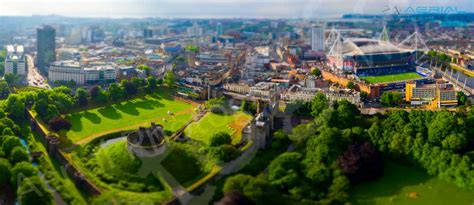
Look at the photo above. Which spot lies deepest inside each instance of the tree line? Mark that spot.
(50, 104)
(340, 147)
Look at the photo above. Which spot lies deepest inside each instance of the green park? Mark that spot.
(161, 108)
(213, 123)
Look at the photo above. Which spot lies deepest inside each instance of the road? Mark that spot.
(35, 79)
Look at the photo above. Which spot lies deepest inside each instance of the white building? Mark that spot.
(241, 88)
(263, 89)
(64, 71)
(15, 60)
(317, 38)
(100, 74)
(194, 30)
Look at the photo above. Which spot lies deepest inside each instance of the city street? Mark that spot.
(35, 79)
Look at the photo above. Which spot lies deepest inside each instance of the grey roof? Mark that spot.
(363, 46)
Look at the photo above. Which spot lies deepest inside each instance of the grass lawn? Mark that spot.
(129, 115)
(391, 77)
(212, 123)
(184, 167)
(409, 185)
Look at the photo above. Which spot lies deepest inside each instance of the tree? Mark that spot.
(33, 191)
(10, 78)
(81, 96)
(321, 151)
(361, 162)
(115, 92)
(192, 48)
(22, 170)
(351, 85)
(217, 105)
(234, 197)
(151, 83)
(63, 102)
(284, 171)
(138, 82)
(98, 94)
(253, 188)
(19, 154)
(280, 140)
(5, 171)
(170, 79)
(249, 107)
(318, 104)
(316, 72)
(301, 133)
(4, 90)
(57, 124)
(219, 139)
(347, 114)
(391, 99)
(9, 143)
(224, 152)
(129, 87)
(63, 89)
(145, 68)
(15, 107)
(462, 99)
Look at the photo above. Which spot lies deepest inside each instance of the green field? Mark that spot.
(183, 165)
(129, 115)
(409, 185)
(212, 123)
(392, 77)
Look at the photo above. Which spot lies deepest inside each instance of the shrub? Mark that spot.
(57, 124)
(19, 154)
(220, 138)
(225, 152)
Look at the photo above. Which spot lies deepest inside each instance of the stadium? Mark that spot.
(374, 61)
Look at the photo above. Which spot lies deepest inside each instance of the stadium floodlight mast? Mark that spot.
(336, 49)
(415, 42)
(384, 35)
(332, 38)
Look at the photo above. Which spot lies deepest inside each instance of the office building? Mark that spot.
(100, 74)
(317, 38)
(147, 33)
(194, 30)
(93, 34)
(65, 71)
(437, 95)
(15, 60)
(45, 47)
(218, 29)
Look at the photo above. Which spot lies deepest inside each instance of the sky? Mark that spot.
(223, 8)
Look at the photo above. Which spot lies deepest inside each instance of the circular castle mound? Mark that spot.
(147, 142)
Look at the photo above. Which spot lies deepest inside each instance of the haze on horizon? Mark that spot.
(217, 8)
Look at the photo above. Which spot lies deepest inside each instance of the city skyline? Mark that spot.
(225, 8)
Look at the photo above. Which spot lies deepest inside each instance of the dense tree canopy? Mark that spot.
(318, 104)
(33, 191)
(5, 171)
(361, 162)
(21, 171)
(391, 99)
